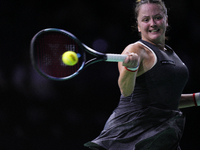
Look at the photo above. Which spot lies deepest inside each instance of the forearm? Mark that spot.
(189, 100)
(128, 71)
(186, 100)
(126, 82)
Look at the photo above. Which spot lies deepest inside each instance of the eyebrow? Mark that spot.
(154, 15)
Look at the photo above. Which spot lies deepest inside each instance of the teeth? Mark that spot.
(154, 31)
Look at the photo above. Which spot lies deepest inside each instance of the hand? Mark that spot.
(131, 61)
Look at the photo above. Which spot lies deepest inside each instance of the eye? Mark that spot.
(145, 20)
(158, 18)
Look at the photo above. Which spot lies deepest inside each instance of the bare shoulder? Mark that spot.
(134, 48)
(138, 48)
(147, 58)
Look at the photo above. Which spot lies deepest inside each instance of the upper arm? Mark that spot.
(133, 48)
(127, 79)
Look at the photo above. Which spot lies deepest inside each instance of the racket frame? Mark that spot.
(98, 56)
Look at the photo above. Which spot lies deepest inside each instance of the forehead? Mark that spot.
(150, 10)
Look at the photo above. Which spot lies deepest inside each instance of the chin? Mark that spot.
(156, 38)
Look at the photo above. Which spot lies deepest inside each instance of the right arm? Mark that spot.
(126, 81)
(127, 78)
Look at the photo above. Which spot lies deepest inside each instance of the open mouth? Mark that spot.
(154, 31)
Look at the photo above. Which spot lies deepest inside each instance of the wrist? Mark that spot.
(132, 69)
(196, 99)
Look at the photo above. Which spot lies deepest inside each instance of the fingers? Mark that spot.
(131, 60)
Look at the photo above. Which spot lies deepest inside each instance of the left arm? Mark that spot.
(188, 100)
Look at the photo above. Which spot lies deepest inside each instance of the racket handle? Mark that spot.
(115, 57)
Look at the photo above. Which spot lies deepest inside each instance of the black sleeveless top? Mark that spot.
(149, 118)
(161, 86)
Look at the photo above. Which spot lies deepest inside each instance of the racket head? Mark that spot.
(46, 50)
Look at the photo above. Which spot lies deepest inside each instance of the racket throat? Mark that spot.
(99, 58)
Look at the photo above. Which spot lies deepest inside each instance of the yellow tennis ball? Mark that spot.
(69, 58)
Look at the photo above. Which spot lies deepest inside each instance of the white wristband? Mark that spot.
(197, 97)
(134, 69)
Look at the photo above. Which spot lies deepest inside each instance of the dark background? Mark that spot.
(39, 114)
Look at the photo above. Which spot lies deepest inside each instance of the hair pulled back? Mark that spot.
(141, 2)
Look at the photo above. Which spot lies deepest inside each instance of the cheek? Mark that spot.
(163, 24)
(143, 27)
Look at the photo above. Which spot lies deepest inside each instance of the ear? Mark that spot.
(139, 30)
(167, 21)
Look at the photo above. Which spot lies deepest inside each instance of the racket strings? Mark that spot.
(50, 48)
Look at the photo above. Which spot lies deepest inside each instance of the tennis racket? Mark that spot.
(46, 50)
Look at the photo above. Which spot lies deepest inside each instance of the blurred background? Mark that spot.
(39, 114)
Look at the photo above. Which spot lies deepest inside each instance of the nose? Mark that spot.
(152, 23)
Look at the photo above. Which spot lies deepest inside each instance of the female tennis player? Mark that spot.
(151, 81)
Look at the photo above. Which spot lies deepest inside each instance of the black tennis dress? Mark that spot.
(149, 118)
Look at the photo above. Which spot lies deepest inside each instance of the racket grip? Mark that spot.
(115, 57)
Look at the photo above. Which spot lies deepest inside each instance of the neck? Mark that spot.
(160, 45)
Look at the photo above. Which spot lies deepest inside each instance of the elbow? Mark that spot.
(126, 88)
(126, 93)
